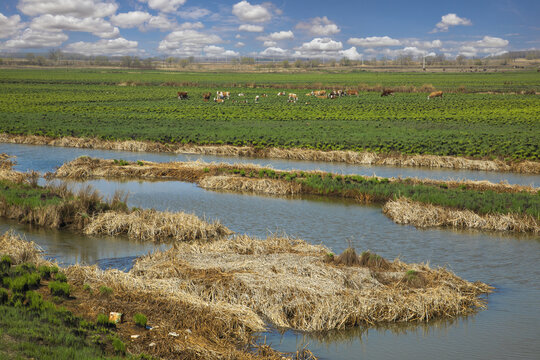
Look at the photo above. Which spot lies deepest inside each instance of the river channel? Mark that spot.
(509, 328)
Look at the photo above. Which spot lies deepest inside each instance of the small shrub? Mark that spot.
(54, 269)
(44, 272)
(60, 277)
(4, 296)
(140, 163)
(105, 290)
(19, 284)
(140, 320)
(348, 257)
(59, 288)
(206, 170)
(5, 263)
(103, 320)
(34, 299)
(87, 287)
(118, 346)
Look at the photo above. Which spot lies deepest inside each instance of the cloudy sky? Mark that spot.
(278, 28)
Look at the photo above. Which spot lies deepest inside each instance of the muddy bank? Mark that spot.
(404, 211)
(350, 157)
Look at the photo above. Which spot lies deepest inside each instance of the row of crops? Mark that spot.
(461, 124)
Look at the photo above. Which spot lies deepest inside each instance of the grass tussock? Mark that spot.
(351, 157)
(151, 225)
(20, 251)
(405, 211)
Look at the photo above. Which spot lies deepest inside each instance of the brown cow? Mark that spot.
(352, 92)
(182, 95)
(387, 92)
(206, 96)
(318, 92)
(435, 94)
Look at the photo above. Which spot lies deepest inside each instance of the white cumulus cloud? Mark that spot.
(187, 42)
(351, 54)
(77, 8)
(31, 39)
(166, 6)
(130, 19)
(251, 28)
(319, 26)
(320, 47)
(492, 42)
(274, 51)
(115, 47)
(96, 26)
(450, 20)
(246, 12)
(194, 13)
(374, 41)
(269, 43)
(9, 25)
(213, 50)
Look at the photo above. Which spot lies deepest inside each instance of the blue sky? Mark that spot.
(280, 28)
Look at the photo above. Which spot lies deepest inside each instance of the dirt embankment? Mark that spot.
(350, 157)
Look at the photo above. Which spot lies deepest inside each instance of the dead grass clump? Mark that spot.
(151, 225)
(348, 258)
(20, 250)
(413, 279)
(405, 211)
(263, 186)
(374, 261)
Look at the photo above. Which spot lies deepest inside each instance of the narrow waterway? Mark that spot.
(509, 328)
(47, 158)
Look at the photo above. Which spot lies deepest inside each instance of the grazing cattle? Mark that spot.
(318, 92)
(435, 94)
(182, 95)
(387, 92)
(281, 93)
(223, 94)
(293, 97)
(218, 100)
(352, 92)
(206, 96)
(264, 95)
(309, 94)
(241, 94)
(257, 98)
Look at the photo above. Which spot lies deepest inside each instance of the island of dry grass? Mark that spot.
(405, 211)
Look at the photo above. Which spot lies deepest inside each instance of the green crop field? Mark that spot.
(467, 121)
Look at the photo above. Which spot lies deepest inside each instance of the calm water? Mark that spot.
(47, 158)
(510, 328)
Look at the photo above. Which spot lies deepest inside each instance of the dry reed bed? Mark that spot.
(151, 225)
(405, 211)
(351, 157)
(287, 282)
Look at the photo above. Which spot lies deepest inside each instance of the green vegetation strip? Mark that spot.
(373, 189)
(90, 104)
(32, 327)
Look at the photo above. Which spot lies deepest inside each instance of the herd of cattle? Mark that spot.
(221, 96)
